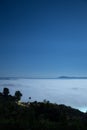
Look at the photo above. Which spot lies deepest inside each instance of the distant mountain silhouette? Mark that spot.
(73, 77)
(60, 77)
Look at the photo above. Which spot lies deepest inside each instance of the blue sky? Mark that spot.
(43, 38)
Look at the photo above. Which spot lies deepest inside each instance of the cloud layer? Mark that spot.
(68, 92)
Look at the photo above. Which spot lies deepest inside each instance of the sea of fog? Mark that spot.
(72, 92)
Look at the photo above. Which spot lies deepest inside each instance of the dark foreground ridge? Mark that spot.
(38, 115)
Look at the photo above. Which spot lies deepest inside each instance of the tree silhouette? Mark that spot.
(18, 95)
(5, 91)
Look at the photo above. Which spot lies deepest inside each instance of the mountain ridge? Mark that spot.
(60, 77)
(71, 77)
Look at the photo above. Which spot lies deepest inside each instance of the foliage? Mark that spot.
(18, 95)
(39, 116)
(5, 91)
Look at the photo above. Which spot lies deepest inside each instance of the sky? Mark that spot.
(43, 38)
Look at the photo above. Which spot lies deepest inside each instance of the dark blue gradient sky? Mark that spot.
(43, 38)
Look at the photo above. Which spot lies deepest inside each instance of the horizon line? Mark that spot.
(28, 77)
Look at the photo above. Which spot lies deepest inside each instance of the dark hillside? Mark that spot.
(38, 115)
